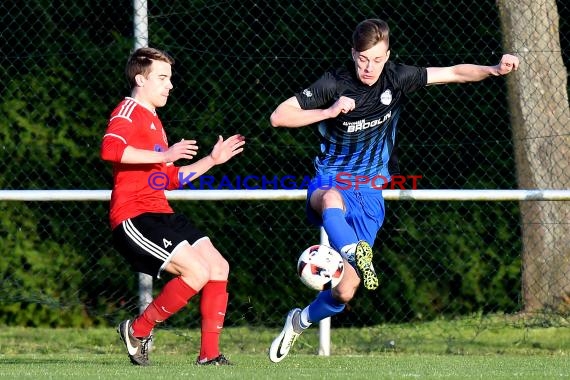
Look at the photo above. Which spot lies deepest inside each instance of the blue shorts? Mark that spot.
(364, 209)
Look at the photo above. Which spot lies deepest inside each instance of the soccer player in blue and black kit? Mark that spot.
(357, 108)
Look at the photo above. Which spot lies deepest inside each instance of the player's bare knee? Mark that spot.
(343, 297)
(218, 265)
(343, 294)
(196, 280)
(331, 198)
(221, 269)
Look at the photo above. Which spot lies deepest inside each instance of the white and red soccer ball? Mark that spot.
(320, 267)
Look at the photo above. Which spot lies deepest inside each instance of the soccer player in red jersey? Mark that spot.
(146, 231)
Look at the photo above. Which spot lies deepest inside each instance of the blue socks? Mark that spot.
(340, 233)
(324, 306)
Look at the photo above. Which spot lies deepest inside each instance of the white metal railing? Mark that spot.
(145, 281)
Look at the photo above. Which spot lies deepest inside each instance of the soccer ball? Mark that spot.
(320, 267)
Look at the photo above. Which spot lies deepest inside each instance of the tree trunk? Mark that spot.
(538, 101)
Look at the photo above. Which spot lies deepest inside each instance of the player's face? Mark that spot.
(369, 63)
(154, 89)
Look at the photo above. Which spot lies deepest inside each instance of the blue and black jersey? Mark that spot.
(363, 141)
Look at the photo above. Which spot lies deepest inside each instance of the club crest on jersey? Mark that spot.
(307, 93)
(386, 97)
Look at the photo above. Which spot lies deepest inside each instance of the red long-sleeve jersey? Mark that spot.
(137, 188)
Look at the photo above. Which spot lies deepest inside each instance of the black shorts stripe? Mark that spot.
(149, 241)
(144, 243)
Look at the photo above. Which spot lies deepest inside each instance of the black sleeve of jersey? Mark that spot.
(409, 78)
(320, 93)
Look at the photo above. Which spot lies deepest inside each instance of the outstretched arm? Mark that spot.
(289, 114)
(471, 73)
(222, 151)
(114, 149)
(185, 149)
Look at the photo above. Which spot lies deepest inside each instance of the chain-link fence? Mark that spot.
(62, 73)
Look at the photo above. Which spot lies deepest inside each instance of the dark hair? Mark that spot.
(140, 61)
(370, 32)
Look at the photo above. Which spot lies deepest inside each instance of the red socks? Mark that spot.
(173, 297)
(213, 304)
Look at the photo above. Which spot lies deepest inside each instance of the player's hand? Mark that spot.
(226, 149)
(508, 63)
(186, 149)
(342, 105)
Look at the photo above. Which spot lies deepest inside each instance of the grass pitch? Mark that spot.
(472, 348)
